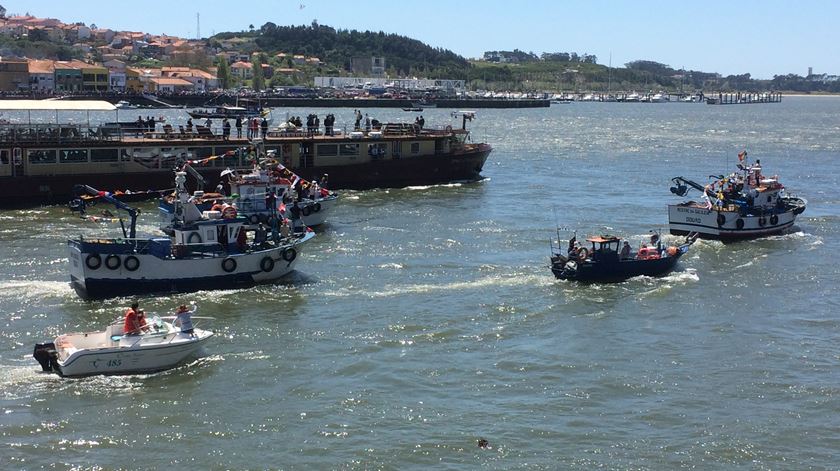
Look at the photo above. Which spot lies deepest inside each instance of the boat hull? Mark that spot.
(611, 272)
(25, 191)
(145, 358)
(158, 272)
(690, 217)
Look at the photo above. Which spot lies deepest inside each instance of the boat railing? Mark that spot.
(69, 134)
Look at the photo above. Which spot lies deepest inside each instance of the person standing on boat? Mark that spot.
(367, 123)
(225, 129)
(421, 121)
(625, 250)
(189, 126)
(135, 320)
(183, 319)
(208, 124)
(238, 127)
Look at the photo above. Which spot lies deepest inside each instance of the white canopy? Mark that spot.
(56, 105)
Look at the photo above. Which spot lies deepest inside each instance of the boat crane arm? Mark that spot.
(132, 212)
(682, 185)
(198, 178)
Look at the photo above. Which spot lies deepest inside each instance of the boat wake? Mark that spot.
(34, 289)
(530, 280)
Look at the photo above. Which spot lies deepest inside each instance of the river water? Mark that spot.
(423, 319)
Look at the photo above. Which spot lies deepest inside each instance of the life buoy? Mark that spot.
(112, 262)
(583, 253)
(448, 128)
(317, 207)
(131, 263)
(721, 219)
(229, 212)
(253, 219)
(306, 211)
(739, 223)
(774, 219)
(194, 238)
(762, 221)
(93, 261)
(289, 254)
(267, 264)
(229, 265)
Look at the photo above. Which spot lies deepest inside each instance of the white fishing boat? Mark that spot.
(203, 250)
(265, 195)
(109, 352)
(742, 205)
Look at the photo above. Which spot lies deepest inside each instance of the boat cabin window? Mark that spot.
(104, 155)
(41, 156)
(328, 150)
(73, 156)
(4, 157)
(125, 155)
(415, 147)
(349, 149)
(171, 157)
(377, 150)
(200, 152)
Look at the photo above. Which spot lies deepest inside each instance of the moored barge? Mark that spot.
(40, 163)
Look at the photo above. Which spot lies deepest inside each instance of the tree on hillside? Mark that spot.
(223, 72)
(258, 80)
(37, 34)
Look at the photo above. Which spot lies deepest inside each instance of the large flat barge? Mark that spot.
(40, 164)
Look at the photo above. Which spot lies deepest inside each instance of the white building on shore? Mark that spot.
(379, 82)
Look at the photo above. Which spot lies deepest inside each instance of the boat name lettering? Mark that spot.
(114, 363)
(693, 210)
(697, 220)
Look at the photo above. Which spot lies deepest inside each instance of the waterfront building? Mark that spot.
(14, 75)
(42, 76)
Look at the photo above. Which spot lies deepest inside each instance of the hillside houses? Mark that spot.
(45, 76)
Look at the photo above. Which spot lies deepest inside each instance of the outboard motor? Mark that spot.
(47, 356)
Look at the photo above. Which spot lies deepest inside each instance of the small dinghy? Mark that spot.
(109, 352)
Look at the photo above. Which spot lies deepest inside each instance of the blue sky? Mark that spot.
(764, 38)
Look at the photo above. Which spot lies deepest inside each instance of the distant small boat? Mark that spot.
(109, 352)
(413, 109)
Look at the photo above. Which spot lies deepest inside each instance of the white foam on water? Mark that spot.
(34, 289)
(486, 282)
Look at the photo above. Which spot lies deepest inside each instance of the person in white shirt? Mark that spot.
(183, 318)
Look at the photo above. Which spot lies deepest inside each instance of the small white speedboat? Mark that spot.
(109, 352)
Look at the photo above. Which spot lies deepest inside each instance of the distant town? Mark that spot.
(45, 57)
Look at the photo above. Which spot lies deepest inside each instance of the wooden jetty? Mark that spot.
(739, 98)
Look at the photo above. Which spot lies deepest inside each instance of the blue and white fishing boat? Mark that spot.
(202, 250)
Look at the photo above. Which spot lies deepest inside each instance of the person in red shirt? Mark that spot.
(135, 320)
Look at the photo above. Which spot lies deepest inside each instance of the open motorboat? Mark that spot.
(745, 204)
(608, 261)
(109, 352)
